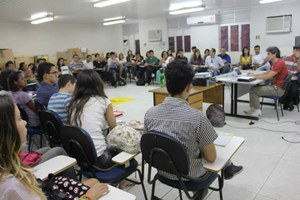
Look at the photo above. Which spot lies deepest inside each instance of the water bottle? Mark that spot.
(162, 81)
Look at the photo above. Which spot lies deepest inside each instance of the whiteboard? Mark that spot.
(205, 37)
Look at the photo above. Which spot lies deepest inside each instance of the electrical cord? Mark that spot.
(289, 141)
(281, 122)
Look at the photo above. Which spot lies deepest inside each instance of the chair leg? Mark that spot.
(180, 194)
(261, 104)
(153, 190)
(275, 101)
(298, 107)
(281, 108)
(220, 181)
(142, 183)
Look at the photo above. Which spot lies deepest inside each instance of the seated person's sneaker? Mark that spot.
(249, 112)
(253, 112)
(231, 171)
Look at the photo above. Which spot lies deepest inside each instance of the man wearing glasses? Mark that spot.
(215, 63)
(48, 77)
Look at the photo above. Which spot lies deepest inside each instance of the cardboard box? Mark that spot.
(46, 57)
(25, 59)
(61, 54)
(5, 55)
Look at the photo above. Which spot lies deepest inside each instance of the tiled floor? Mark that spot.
(271, 165)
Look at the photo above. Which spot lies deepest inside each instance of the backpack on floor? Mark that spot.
(140, 82)
(216, 115)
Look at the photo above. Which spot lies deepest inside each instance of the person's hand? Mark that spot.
(97, 191)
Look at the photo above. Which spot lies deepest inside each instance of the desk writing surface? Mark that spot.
(115, 194)
(54, 165)
(224, 154)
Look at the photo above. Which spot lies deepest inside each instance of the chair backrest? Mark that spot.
(23, 113)
(161, 150)
(79, 145)
(39, 106)
(51, 125)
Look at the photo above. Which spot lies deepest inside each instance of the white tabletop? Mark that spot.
(115, 193)
(53, 166)
(232, 78)
(224, 154)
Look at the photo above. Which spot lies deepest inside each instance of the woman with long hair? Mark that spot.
(12, 172)
(246, 59)
(60, 63)
(91, 110)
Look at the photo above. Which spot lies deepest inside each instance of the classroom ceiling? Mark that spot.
(82, 11)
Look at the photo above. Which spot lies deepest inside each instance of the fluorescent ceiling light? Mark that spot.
(42, 20)
(114, 22)
(113, 18)
(268, 1)
(188, 10)
(105, 3)
(38, 15)
(188, 4)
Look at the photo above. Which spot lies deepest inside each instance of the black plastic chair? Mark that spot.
(39, 106)
(51, 125)
(79, 145)
(31, 131)
(167, 154)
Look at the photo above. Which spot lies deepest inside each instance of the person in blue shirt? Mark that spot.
(48, 75)
(226, 59)
(60, 101)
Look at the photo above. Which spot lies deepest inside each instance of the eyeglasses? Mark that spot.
(55, 72)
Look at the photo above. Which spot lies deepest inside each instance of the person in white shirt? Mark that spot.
(259, 60)
(88, 63)
(215, 63)
(91, 110)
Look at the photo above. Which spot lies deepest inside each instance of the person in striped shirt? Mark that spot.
(59, 101)
(176, 118)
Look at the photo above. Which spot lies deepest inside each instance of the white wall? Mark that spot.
(153, 24)
(49, 38)
(284, 41)
(205, 37)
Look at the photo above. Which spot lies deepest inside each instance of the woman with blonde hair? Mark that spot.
(16, 181)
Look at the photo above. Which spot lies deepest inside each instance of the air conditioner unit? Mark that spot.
(279, 24)
(201, 20)
(154, 35)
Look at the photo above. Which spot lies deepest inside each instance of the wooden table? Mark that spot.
(198, 95)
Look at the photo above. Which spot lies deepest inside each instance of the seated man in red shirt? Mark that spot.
(278, 73)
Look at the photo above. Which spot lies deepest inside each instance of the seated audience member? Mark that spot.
(76, 64)
(123, 67)
(170, 53)
(259, 60)
(151, 65)
(113, 65)
(28, 75)
(60, 63)
(293, 63)
(194, 48)
(196, 61)
(88, 63)
(40, 61)
(60, 101)
(278, 73)
(23, 99)
(245, 59)
(176, 118)
(91, 110)
(180, 56)
(226, 59)
(48, 75)
(163, 62)
(17, 180)
(206, 53)
(10, 65)
(33, 68)
(139, 69)
(4, 79)
(215, 63)
(129, 63)
(23, 66)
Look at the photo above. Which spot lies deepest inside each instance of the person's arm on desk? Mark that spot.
(209, 152)
(264, 76)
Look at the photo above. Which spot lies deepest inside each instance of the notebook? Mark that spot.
(246, 79)
(222, 140)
